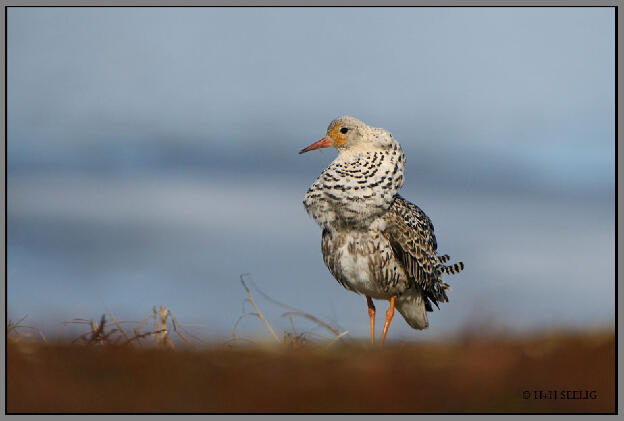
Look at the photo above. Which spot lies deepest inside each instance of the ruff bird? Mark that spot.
(375, 242)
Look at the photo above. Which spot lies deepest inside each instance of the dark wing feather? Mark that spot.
(411, 235)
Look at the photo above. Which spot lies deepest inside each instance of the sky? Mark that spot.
(152, 158)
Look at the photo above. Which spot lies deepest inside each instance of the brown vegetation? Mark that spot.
(467, 375)
(119, 366)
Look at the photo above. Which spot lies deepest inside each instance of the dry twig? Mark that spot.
(258, 312)
(297, 312)
(291, 339)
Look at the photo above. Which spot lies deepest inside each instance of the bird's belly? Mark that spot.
(358, 276)
(363, 262)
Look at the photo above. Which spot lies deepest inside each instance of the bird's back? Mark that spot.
(411, 235)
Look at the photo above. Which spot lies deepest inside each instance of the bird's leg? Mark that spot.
(371, 314)
(389, 315)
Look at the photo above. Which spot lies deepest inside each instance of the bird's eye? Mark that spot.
(344, 130)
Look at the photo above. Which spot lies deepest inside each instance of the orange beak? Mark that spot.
(325, 142)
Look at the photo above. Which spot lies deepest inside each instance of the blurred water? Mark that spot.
(78, 246)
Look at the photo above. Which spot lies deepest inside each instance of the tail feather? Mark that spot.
(412, 307)
(453, 269)
(414, 303)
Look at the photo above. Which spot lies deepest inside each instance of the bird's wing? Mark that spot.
(411, 235)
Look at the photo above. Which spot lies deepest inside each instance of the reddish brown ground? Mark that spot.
(467, 376)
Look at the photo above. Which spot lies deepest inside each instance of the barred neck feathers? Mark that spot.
(359, 186)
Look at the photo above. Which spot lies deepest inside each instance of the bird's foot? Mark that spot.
(389, 315)
(371, 314)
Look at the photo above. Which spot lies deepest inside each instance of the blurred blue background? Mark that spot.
(152, 159)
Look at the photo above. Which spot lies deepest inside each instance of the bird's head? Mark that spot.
(345, 133)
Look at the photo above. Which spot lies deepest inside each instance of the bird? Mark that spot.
(375, 242)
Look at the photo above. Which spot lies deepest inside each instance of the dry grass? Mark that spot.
(475, 376)
(111, 332)
(292, 338)
(108, 330)
(120, 366)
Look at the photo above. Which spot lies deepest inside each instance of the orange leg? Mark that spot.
(389, 315)
(371, 314)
